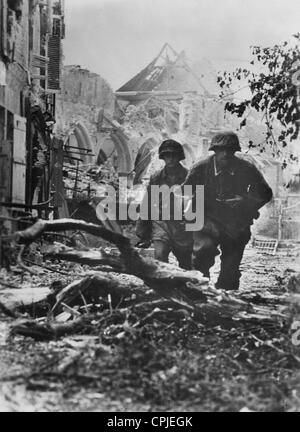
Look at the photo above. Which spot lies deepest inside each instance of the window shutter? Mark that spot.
(54, 55)
(3, 29)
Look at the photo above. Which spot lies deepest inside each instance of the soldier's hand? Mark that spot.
(143, 244)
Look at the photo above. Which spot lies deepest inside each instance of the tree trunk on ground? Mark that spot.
(186, 290)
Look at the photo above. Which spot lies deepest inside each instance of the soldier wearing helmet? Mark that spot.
(234, 191)
(167, 235)
(171, 147)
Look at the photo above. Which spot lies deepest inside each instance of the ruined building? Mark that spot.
(169, 98)
(30, 70)
(166, 99)
(84, 99)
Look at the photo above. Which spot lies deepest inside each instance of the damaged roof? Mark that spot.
(169, 71)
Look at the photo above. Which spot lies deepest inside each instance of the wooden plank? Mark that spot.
(19, 160)
(57, 172)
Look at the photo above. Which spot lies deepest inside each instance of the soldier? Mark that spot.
(234, 191)
(167, 235)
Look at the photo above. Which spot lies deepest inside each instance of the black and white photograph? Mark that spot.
(149, 208)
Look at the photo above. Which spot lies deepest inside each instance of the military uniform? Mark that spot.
(167, 235)
(224, 225)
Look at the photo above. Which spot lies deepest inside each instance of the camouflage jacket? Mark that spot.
(242, 179)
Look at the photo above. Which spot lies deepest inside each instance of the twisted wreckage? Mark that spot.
(169, 294)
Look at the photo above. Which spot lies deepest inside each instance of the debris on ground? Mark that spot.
(128, 342)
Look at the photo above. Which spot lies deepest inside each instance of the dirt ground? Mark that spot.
(160, 367)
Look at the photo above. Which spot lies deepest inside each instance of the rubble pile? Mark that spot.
(88, 182)
(102, 330)
(173, 290)
(187, 119)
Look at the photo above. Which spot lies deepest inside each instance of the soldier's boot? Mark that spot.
(227, 284)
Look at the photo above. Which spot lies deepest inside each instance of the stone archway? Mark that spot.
(125, 162)
(143, 159)
(82, 141)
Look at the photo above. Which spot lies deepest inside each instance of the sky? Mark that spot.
(117, 38)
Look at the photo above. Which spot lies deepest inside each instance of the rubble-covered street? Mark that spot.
(149, 207)
(176, 366)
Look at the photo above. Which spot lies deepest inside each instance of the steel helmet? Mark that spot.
(171, 146)
(225, 140)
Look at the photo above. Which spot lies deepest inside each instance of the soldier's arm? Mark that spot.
(259, 192)
(194, 177)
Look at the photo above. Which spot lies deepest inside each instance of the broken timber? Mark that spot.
(184, 290)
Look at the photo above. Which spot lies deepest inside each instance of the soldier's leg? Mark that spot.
(160, 239)
(182, 244)
(161, 250)
(205, 249)
(232, 254)
(184, 256)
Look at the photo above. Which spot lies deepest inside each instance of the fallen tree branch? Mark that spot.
(186, 289)
(97, 287)
(35, 231)
(52, 330)
(91, 257)
(44, 332)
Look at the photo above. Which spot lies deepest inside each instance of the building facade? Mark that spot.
(30, 72)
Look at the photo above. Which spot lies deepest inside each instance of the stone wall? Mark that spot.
(84, 95)
(189, 118)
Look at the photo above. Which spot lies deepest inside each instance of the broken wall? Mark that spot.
(189, 118)
(84, 94)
